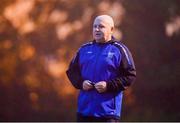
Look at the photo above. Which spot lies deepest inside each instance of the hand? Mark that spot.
(101, 86)
(87, 85)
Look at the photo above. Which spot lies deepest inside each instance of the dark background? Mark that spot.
(38, 38)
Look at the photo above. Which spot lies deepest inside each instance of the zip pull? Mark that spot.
(92, 83)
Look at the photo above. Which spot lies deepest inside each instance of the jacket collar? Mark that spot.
(108, 42)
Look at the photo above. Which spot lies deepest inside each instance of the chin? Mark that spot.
(100, 40)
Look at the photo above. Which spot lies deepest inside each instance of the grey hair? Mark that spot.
(106, 18)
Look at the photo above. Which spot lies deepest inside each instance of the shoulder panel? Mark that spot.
(124, 50)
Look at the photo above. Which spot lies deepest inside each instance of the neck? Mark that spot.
(103, 40)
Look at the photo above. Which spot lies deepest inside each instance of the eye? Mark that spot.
(94, 26)
(98, 26)
(101, 26)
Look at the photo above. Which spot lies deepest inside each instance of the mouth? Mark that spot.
(97, 34)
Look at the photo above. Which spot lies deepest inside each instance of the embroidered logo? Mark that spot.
(89, 52)
(110, 54)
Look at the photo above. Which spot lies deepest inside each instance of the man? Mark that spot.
(102, 69)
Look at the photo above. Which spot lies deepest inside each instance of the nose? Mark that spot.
(96, 28)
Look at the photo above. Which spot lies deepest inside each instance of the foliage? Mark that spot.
(38, 38)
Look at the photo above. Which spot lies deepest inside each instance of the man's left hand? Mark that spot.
(101, 86)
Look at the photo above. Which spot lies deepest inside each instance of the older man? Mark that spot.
(102, 69)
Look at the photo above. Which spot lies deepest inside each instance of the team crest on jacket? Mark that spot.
(110, 54)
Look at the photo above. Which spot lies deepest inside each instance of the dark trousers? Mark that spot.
(81, 118)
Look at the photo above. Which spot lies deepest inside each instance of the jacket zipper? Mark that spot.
(97, 57)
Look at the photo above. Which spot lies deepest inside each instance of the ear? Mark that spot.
(112, 28)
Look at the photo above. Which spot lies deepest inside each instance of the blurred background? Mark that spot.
(38, 38)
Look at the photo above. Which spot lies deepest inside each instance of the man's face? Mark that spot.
(102, 31)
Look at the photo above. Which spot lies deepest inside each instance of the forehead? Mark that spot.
(99, 21)
(104, 20)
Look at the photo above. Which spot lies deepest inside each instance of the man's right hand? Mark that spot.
(87, 85)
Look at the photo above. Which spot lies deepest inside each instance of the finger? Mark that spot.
(88, 87)
(97, 85)
(87, 84)
(100, 90)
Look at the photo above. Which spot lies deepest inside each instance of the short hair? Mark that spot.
(106, 18)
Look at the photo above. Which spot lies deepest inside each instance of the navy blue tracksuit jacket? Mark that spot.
(111, 62)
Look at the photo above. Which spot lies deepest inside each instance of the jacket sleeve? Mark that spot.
(74, 73)
(127, 72)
